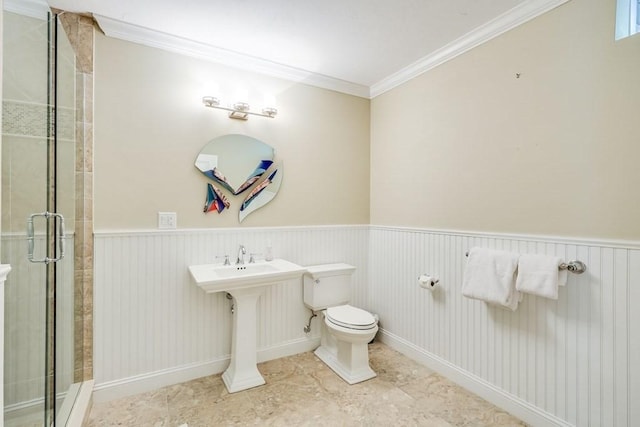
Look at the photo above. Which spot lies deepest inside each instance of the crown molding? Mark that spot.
(517, 16)
(168, 42)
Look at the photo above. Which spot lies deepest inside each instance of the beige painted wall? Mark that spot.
(150, 125)
(468, 146)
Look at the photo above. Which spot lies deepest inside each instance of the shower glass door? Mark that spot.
(38, 190)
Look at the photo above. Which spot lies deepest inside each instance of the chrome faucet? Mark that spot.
(241, 252)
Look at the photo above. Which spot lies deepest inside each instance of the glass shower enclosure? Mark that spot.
(38, 197)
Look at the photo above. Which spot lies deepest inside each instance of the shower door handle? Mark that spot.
(31, 237)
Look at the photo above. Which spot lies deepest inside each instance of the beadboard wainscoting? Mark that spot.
(570, 362)
(153, 326)
(574, 361)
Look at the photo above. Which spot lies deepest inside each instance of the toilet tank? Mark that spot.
(327, 285)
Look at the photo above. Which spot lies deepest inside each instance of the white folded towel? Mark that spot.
(490, 276)
(562, 277)
(540, 275)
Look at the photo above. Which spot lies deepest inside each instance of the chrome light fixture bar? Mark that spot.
(239, 110)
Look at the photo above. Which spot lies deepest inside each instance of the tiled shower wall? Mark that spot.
(25, 335)
(25, 118)
(79, 30)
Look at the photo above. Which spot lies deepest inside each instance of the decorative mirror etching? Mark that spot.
(262, 194)
(235, 163)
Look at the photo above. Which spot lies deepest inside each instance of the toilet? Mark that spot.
(345, 330)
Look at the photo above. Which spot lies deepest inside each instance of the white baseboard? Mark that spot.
(73, 407)
(155, 380)
(289, 348)
(525, 411)
(24, 412)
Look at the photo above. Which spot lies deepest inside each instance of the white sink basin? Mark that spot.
(226, 278)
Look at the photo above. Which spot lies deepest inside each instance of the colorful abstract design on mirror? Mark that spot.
(216, 201)
(237, 164)
(257, 173)
(218, 177)
(262, 194)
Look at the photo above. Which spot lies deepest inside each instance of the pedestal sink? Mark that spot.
(245, 283)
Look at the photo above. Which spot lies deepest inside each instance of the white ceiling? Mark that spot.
(362, 47)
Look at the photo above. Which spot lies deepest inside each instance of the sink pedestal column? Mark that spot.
(243, 372)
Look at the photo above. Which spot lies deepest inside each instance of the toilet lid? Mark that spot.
(350, 317)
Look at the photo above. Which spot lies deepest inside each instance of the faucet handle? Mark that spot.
(252, 257)
(226, 259)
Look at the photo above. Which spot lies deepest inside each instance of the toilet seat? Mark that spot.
(350, 317)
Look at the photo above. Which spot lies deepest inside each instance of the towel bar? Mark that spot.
(574, 266)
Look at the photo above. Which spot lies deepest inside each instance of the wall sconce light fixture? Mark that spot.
(239, 110)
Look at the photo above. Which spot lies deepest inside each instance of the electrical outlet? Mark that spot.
(167, 220)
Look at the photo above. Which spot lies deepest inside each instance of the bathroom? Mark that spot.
(527, 142)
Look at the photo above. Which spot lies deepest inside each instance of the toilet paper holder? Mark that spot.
(427, 281)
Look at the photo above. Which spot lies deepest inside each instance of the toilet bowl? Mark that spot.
(344, 345)
(345, 330)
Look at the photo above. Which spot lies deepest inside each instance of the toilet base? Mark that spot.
(349, 371)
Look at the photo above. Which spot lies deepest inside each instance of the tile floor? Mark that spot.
(302, 391)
